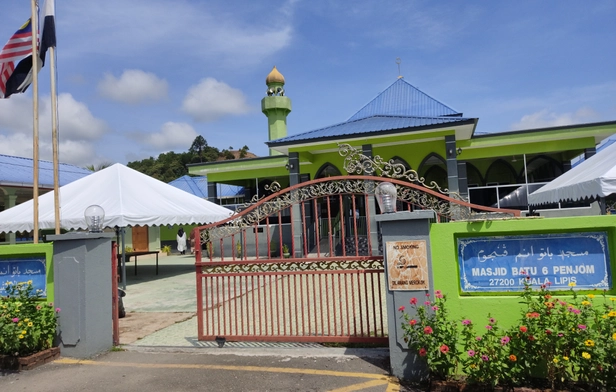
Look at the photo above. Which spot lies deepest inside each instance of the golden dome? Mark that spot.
(274, 77)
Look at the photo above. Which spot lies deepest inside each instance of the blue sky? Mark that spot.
(141, 77)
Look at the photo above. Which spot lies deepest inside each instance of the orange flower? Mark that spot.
(513, 358)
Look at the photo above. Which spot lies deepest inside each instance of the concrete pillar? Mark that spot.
(82, 288)
(10, 200)
(212, 192)
(411, 229)
(296, 211)
(452, 163)
(589, 152)
(366, 150)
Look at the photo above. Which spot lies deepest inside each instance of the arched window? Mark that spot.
(542, 169)
(500, 172)
(434, 169)
(327, 170)
(473, 175)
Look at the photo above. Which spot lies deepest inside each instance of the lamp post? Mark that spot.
(95, 215)
(386, 195)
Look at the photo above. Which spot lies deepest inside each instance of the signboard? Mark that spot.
(407, 265)
(502, 263)
(24, 269)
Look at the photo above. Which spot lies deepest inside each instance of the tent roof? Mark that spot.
(128, 197)
(595, 177)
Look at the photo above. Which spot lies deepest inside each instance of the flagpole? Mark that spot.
(54, 136)
(35, 130)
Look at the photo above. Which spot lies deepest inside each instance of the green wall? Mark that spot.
(25, 250)
(504, 307)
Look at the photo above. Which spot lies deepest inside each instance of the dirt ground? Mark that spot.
(137, 325)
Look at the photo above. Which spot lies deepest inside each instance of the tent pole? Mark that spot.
(602, 205)
(123, 260)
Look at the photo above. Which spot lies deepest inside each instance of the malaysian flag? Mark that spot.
(18, 50)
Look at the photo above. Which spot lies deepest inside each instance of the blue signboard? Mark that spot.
(557, 260)
(24, 269)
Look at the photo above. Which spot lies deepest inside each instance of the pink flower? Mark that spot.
(413, 322)
(401, 309)
(437, 292)
(422, 352)
(427, 303)
(16, 320)
(488, 327)
(435, 308)
(581, 326)
(428, 330)
(413, 301)
(466, 322)
(444, 349)
(492, 321)
(57, 310)
(505, 340)
(478, 338)
(485, 358)
(427, 294)
(471, 353)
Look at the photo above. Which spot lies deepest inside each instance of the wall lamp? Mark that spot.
(458, 151)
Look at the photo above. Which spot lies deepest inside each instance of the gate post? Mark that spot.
(408, 274)
(82, 271)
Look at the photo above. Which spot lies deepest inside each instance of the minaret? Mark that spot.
(276, 106)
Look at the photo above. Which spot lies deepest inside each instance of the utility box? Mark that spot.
(83, 292)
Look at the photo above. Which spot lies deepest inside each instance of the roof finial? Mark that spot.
(398, 61)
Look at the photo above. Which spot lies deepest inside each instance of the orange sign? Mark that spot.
(407, 265)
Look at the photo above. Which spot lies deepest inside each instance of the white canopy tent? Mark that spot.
(129, 198)
(595, 178)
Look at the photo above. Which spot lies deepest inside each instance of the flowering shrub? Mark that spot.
(27, 325)
(487, 359)
(564, 342)
(432, 335)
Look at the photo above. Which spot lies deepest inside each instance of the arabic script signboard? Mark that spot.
(24, 269)
(502, 263)
(407, 265)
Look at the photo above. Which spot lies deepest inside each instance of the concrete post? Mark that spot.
(82, 282)
(400, 230)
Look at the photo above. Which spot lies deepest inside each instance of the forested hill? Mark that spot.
(171, 165)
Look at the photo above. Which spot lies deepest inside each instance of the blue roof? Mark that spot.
(403, 99)
(198, 187)
(371, 125)
(400, 106)
(17, 171)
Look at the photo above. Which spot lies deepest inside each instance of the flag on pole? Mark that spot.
(15, 51)
(48, 37)
(19, 77)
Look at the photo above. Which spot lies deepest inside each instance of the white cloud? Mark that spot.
(211, 99)
(546, 119)
(133, 87)
(77, 129)
(171, 136)
(80, 153)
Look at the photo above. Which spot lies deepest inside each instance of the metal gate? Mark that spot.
(305, 263)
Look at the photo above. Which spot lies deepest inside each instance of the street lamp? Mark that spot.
(386, 196)
(95, 216)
